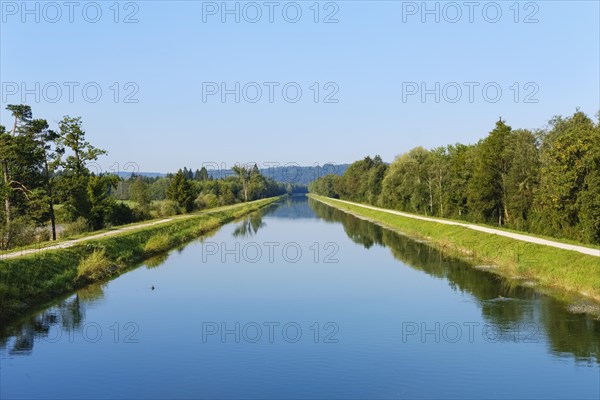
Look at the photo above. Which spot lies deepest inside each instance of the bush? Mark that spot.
(126, 256)
(141, 215)
(158, 243)
(94, 267)
(119, 214)
(211, 223)
(208, 200)
(23, 232)
(77, 227)
(44, 234)
(168, 208)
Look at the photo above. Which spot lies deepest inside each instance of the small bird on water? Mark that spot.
(152, 287)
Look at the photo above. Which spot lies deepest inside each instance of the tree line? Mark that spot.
(226, 189)
(545, 181)
(186, 191)
(47, 188)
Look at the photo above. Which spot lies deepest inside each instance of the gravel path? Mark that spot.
(70, 243)
(516, 236)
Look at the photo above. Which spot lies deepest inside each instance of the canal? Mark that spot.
(301, 300)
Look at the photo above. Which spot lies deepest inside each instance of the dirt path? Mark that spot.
(70, 243)
(73, 242)
(516, 236)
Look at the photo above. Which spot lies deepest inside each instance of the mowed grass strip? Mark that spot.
(550, 267)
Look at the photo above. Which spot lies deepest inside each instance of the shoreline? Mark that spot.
(30, 280)
(553, 271)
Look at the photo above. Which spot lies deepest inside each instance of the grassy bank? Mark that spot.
(549, 267)
(34, 279)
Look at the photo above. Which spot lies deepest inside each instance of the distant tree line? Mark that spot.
(545, 182)
(47, 188)
(297, 176)
(186, 191)
(226, 189)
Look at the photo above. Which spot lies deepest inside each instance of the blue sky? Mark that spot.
(371, 61)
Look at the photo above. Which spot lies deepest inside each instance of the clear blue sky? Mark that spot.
(368, 54)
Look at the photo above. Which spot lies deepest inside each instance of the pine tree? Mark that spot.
(180, 191)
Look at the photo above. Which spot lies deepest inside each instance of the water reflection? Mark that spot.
(249, 226)
(503, 303)
(157, 260)
(67, 315)
(292, 207)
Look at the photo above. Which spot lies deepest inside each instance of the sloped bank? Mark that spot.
(31, 280)
(563, 273)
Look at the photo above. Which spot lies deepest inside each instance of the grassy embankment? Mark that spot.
(552, 268)
(34, 279)
(63, 237)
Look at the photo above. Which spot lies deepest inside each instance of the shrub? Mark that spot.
(158, 243)
(94, 267)
(208, 200)
(44, 234)
(141, 215)
(77, 227)
(126, 256)
(168, 209)
(119, 214)
(211, 223)
(23, 232)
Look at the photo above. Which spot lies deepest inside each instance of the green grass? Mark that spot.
(505, 229)
(31, 280)
(551, 268)
(42, 245)
(158, 243)
(94, 267)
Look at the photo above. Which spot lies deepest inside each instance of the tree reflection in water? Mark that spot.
(504, 303)
(67, 316)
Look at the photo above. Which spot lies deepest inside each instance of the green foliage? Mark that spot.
(23, 231)
(158, 243)
(180, 191)
(257, 185)
(140, 194)
(208, 200)
(567, 200)
(73, 193)
(168, 208)
(243, 174)
(522, 178)
(72, 137)
(75, 228)
(487, 187)
(95, 267)
(119, 214)
(201, 175)
(102, 204)
(542, 182)
(363, 179)
(328, 185)
(405, 185)
(45, 176)
(158, 188)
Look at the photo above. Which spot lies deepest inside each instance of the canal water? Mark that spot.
(301, 300)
